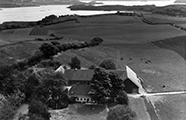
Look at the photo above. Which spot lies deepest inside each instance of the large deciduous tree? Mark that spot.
(101, 86)
(51, 91)
(48, 50)
(106, 85)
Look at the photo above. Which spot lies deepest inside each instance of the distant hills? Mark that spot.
(180, 1)
(21, 3)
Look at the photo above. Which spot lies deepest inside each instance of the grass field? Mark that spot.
(171, 107)
(161, 18)
(117, 33)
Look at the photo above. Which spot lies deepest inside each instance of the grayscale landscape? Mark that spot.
(92, 60)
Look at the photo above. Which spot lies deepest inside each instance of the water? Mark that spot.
(37, 13)
(130, 3)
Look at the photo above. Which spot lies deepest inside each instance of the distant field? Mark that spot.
(24, 32)
(39, 31)
(117, 33)
(162, 18)
(177, 44)
(116, 19)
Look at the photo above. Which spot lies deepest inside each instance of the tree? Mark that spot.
(121, 112)
(38, 108)
(48, 50)
(96, 41)
(117, 83)
(30, 86)
(122, 98)
(75, 63)
(51, 91)
(108, 64)
(100, 86)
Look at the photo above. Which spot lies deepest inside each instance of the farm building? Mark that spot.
(80, 80)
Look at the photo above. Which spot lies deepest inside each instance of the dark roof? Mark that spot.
(79, 90)
(83, 75)
(86, 75)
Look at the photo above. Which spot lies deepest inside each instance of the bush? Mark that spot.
(39, 109)
(75, 63)
(108, 64)
(121, 112)
(122, 98)
(49, 63)
(51, 91)
(48, 50)
(10, 105)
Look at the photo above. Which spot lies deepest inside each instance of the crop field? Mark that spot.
(117, 33)
(39, 31)
(24, 32)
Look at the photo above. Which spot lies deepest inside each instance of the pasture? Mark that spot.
(161, 18)
(116, 32)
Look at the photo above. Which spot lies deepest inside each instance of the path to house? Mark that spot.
(22, 110)
(144, 107)
(138, 105)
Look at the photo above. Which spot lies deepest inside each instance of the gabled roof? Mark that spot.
(80, 75)
(79, 90)
(86, 75)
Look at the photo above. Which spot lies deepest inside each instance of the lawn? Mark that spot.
(80, 112)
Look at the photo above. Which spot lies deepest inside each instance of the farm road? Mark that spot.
(144, 107)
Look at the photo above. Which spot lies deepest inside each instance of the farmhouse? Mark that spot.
(80, 80)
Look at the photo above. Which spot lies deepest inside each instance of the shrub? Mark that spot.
(10, 105)
(51, 91)
(48, 50)
(75, 63)
(49, 63)
(96, 41)
(121, 112)
(108, 64)
(122, 98)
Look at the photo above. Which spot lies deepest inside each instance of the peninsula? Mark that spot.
(170, 10)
